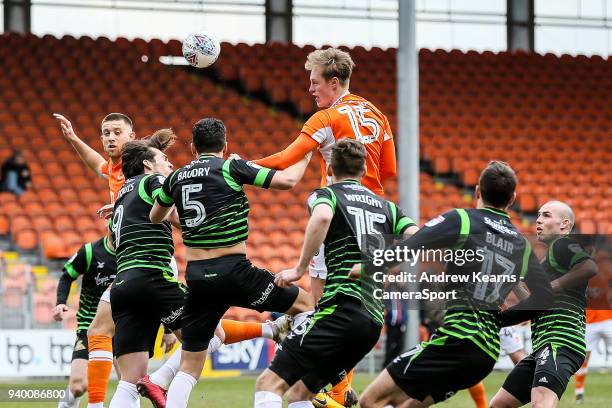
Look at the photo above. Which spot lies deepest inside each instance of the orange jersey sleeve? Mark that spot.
(388, 164)
(292, 154)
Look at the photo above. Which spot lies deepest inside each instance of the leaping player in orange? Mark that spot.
(342, 115)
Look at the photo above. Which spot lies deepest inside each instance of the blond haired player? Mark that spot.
(342, 115)
(116, 130)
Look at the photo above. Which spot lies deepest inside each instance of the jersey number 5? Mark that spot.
(194, 205)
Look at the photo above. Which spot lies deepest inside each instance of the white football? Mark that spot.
(201, 50)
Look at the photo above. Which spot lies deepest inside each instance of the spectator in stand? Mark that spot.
(16, 176)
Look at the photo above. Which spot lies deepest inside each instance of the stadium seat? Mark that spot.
(474, 107)
(26, 239)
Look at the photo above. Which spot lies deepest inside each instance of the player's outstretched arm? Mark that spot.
(576, 277)
(288, 178)
(164, 203)
(316, 230)
(356, 270)
(571, 256)
(540, 295)
(89, 156)
(159, 213)
(291, 155)
(75, 266)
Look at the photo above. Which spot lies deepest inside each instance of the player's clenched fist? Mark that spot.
(58, 312)
(286, 277)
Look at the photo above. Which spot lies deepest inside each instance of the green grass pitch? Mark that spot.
(238, 393)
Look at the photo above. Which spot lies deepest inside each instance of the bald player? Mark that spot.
(558, 332)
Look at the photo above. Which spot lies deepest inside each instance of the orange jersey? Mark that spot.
(115, 178)
(351, 116)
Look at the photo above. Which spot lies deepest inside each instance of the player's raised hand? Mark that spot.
(106, 211)
(58, 312)
(234, 156)
(286, 277)
(66, 126)
(168, 341)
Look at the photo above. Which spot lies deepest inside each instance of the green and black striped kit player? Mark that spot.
(358, 215)
(145, 292)
(223, 220)
(213, 210)
(564, 324)
(138, 242)
(469, 334)
(96, 262)
(557, 333)
(348, 319)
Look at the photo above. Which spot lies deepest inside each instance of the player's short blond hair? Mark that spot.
(335, 63)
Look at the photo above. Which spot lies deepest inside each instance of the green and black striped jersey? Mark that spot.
(498, 249)
(95, 261)
(138, 242)
(563, 325)
(210, 201)
(360, 216)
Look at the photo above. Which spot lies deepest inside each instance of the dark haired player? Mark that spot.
(116, 129)
(348, 319)
(213, 211)
(465, 348)
(145, 291)
(95, 262)
(558, 334)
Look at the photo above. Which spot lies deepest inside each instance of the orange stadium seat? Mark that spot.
(474, 107)
(26, 239)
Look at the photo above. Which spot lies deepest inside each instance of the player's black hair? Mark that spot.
(133, 154)
(118, 116)
(497, 184)
(209, 135)
(348, 158)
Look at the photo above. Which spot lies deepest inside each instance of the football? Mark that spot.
(201, 50)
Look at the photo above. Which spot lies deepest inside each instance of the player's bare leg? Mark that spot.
(77, 385)
(517, 356)
(316, 287)
(269, 390)
(383, 392)
(299, 396)
(133, 366)
(100, 338)
(191, 367)
(503, 399)
(542, 397)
